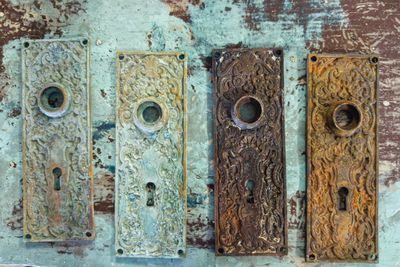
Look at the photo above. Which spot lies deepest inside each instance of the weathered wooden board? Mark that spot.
(342, 134)
(250, 187)
(57, 146)
(151, 166)
(197, 27)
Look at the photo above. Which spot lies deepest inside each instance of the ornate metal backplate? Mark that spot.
(151, 164)
(57, 170)
(342, 158)
(250, 195)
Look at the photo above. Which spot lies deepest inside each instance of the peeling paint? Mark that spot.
(197, 27)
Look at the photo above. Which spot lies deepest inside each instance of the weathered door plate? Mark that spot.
(342, 158)
(57, 146)
(250, 189)
(151, 155)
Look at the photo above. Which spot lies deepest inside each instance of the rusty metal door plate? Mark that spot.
(57, 146)
(151, 162)
(250, 190)
(342, 158)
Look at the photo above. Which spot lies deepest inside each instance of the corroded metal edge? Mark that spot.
(308, 161)
(183, 191)
(284, 251)
(92, 226)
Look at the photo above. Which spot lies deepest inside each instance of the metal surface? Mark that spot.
(342, 155)
(151, 162)
(197, 27)
(57, 170)
(250, 187)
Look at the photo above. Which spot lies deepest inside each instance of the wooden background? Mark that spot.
(196, 27)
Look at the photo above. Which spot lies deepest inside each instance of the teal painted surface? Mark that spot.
(196, 28)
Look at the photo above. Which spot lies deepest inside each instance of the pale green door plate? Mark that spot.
(150, 217)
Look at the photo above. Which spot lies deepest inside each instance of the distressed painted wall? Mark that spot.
(196, 27)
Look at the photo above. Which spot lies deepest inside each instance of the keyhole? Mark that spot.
(57, 178)
(343, 193)
(249, 187)
(151, 188)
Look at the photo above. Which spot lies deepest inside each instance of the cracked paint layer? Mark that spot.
(297, 26)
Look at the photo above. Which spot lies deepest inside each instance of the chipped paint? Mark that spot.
(297, 26)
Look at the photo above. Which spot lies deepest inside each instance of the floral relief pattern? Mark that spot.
(335, 162)
(249, 221)
(63, 142)
(147, 154)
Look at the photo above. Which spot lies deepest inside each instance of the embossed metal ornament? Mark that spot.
(150, 182)
(250, 190)
(57, 146)
(342, 158)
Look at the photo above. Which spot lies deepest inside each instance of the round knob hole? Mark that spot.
(53, 101)
(248, 110)
(150, 112)
(347, 117)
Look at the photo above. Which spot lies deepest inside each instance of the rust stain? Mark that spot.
(15, 112)
(110, 138)
(273, 8)
(297, 212)
(149, 39)
(71, 248)
(15, 221)
(104, 193)
(103, 93)
(207, 62)
(374, 27)
(180, 9)
(253, 16)
(198, 232)
(232, 46)
(13, 164)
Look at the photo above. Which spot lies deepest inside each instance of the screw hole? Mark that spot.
(85, 41)
(314, 59)
(181, 56)
(217, 54)
(372, 257)
(28, 236)
(26, 44)
(121, 57)
(374, 60)
(311, 257)
(88, 234)
(180, 252)
(278, 52)
(120, 251)
(221, 250)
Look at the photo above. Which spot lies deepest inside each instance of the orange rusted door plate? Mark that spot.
(150, 217)
(342, 158)
(250, 190)
(57, 146)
